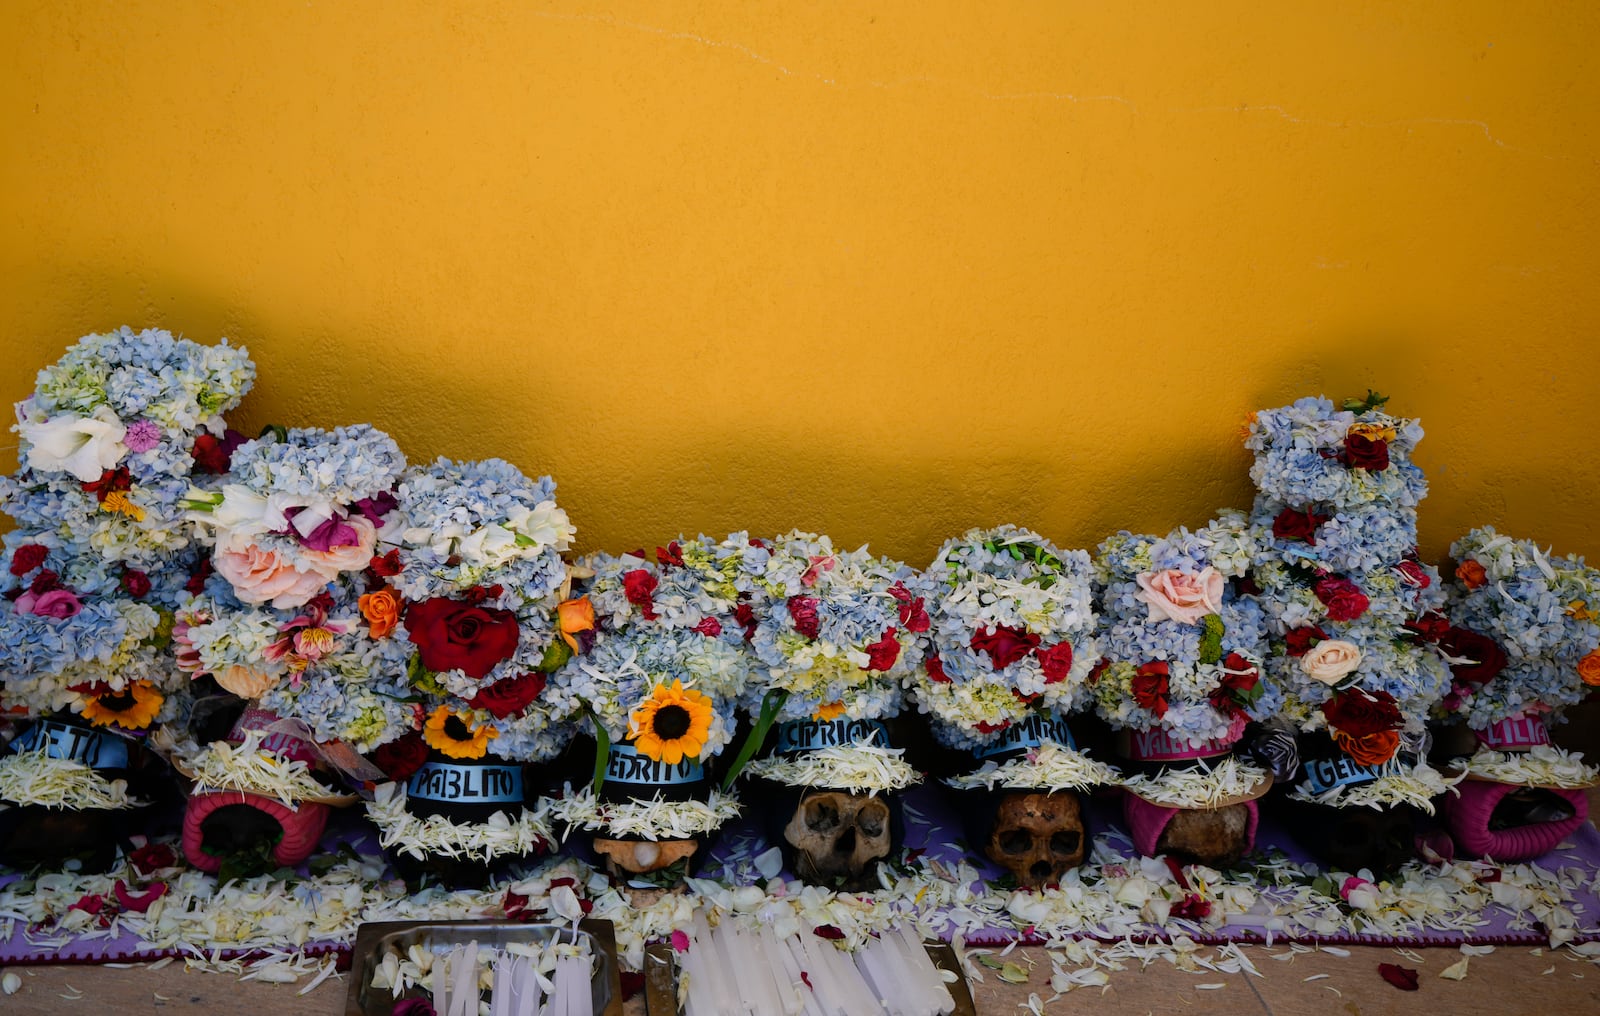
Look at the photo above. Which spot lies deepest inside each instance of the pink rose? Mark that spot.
(260, 576)
(349, 557)
(1178, 596)
(57, 603)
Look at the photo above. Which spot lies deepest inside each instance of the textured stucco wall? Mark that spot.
(882, 271)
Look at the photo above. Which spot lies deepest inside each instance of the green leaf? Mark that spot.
(991, 961)
(277, 430)
(421, 678)
(1366, 405)
(1211, 632)
(770, 704)
(602, 752)
(1014, 973)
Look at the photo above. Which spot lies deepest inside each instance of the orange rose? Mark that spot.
(382, 611)
(829, 711)
(1589, 669)
(1471, 573)
(1372, 749)
(575, 616)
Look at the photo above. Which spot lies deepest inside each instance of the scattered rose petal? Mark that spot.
(1403, 978)
(140, 903)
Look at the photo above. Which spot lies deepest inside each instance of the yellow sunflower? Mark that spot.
(829, 711)
(672, 724)
(133, 708)
(451, 733)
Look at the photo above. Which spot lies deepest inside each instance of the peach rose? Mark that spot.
(259, 575)
(1179, 596)
(1330, 660)
(244, 682)
(329, 563)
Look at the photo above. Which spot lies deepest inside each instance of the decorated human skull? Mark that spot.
(1037, 836)
(640, 857)
(1217, 837)
(839, 836)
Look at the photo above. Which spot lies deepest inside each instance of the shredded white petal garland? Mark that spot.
(1051, 766)
(246, 767)
(33, 777)
(1416, 786)
(1201, 786)
(842, 767)
(652, 819)
(1542, 766)
(499, 835)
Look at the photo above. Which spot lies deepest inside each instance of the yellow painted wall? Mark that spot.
(884, 271)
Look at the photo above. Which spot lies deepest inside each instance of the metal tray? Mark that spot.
(372, 940)
(661, 979)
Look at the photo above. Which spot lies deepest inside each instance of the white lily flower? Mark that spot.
(85, 446)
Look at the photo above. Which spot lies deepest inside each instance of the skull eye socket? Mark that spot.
(1015, 841)
(873, 818)
(821, 816)
(1065, 843)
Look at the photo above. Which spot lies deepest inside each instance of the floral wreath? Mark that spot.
(1012, 633)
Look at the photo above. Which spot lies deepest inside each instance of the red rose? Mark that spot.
(457, 636)
(399, 759)
(1150, 686)
(509, 696)
(386, 565)
(1413, 575)
(136, 583)
(913, 614)
(1482, 655)
(803, 611)
(670, 555)
(882, 653)
(1358, 712)
(709, 627)
(28, 557)
(1293, 525)
(1300, 640)
(640, 586)
(746, 616)
(1430, 627)
(152, 857)
(935, 668)
(1005, 646)
(1342, 599)
(1371, 454)
(1056, 662)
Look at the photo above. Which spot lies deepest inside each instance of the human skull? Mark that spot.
(638, 857)
(1217, 838)
(839, 836)
(1038, 836)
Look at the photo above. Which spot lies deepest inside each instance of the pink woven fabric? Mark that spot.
(1468, 814)
(1146, 821)
(302, 827)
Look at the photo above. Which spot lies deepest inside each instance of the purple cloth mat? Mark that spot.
(933, 828)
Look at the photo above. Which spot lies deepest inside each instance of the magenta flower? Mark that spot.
(142, 436)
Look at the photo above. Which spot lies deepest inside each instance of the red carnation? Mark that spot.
(210, 455)
(1004, 645)
(1293, 525)
(197, 579)
(1239, 678)
(1300, 640)
(746, 616)
(1430, 627)
(913, 614)
(1343, 600)
(386, 565)
(640, 587)
(935, 668)
(399, 759)
(509, 696)
(450, 635)
(803, 611)
(1150, 686)
(882, 653)
(1371, 454)
(1056, 662)
(1413, 575)
(1482, 656)
(136, 583)
(709, 627)
(985, 727)
(152, 857)
(28, 557)
(670, 555)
